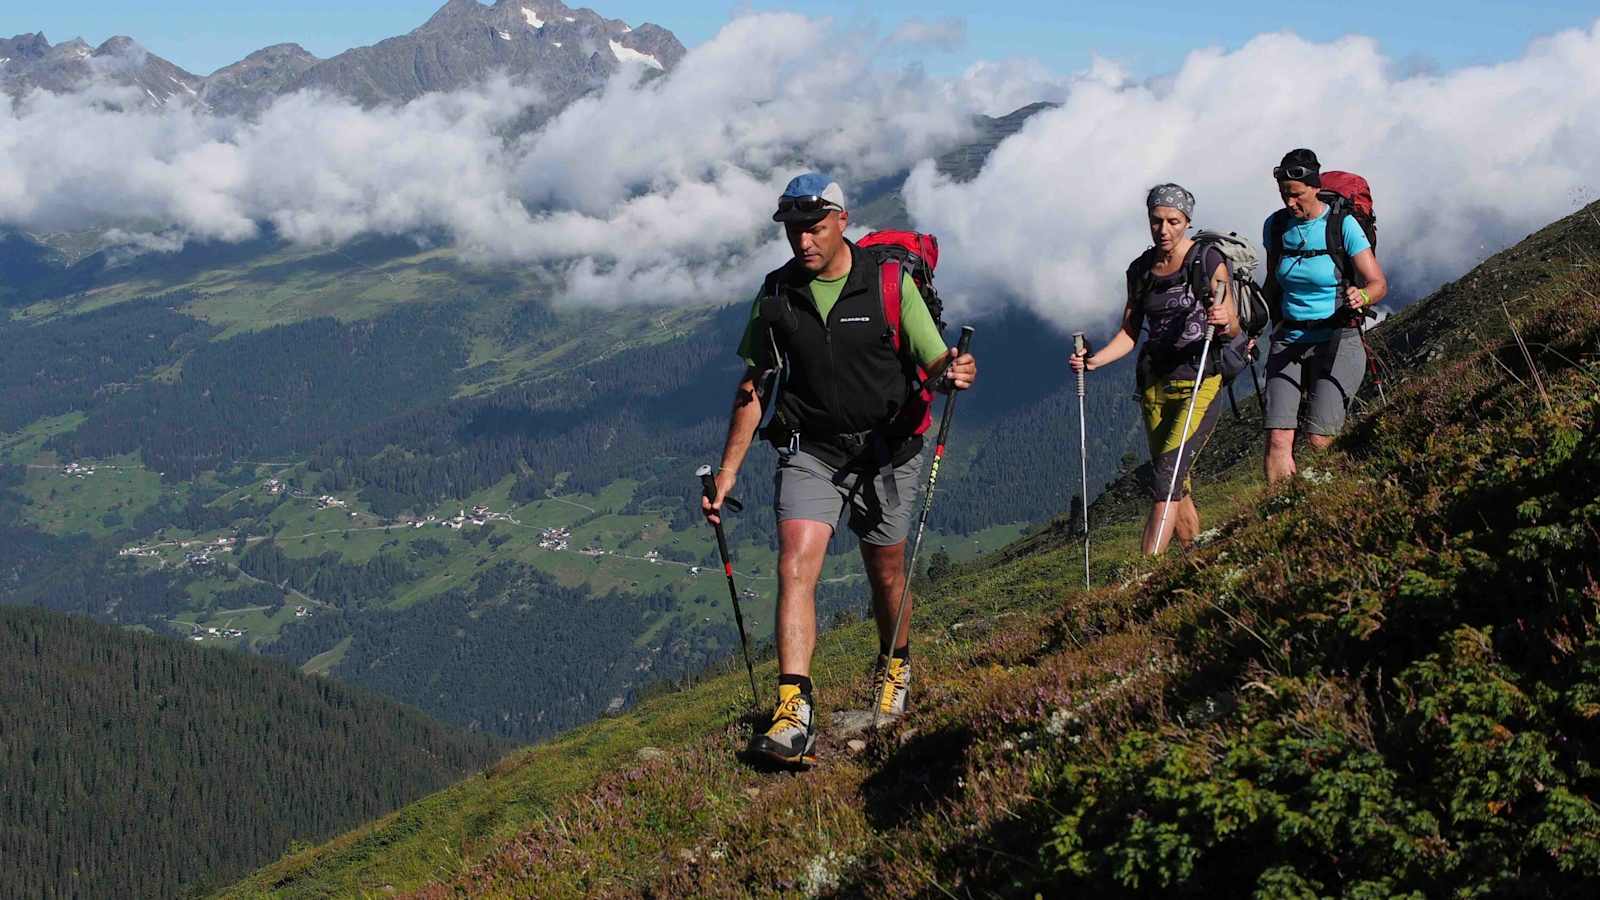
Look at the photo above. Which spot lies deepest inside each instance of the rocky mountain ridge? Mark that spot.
(565, 52)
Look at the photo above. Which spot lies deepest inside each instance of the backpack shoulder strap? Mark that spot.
(774, 316)
(1280, 225)
(770, 313)
(1199, 274)
(1277, 225)
(890, 276)
(1139, 277)
(1334, 239)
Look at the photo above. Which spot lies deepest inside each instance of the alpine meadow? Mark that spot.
(909, 452)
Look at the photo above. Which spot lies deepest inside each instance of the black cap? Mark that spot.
(1303, 165)
(1301, 157)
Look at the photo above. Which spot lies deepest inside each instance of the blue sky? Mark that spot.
(203, 35)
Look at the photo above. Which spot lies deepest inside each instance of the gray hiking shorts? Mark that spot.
(810, 489)
(1310, 386)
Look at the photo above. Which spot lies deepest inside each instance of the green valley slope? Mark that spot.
(1378, 680)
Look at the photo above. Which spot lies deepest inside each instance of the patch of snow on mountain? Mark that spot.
(533, 18)
(569, 18)
(628, 54)
(555, 43)
(504, 35)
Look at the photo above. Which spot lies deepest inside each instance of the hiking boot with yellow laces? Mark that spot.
(892, 683)
(792, 737)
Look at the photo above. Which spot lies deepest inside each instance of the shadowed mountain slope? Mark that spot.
(141, 766)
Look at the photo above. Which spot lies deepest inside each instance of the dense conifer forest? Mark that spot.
(140, 766)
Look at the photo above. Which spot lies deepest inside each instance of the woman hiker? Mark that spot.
(1162, 302)
(1317, 360)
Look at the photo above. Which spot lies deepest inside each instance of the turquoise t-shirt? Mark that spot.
(1311, 284)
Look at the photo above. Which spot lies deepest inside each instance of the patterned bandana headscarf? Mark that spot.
(1172, 195)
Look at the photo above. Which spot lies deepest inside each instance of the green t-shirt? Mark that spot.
(916, 323)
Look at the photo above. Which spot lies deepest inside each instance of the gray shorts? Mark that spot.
(1310, 386)
(810, 489)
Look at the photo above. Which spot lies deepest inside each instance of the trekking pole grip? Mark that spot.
(965, 340)
(708, 486)
(962, 345)
(1080, 344)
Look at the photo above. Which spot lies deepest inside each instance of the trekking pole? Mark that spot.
(1373, 372)
(708, 485)
(1256, 379)
(1183, 436)
(1080, 344)
(922, 520)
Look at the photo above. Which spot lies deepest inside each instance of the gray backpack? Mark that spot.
(1243, 258)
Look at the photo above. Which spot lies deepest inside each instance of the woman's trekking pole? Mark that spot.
(1256, 379)
(922, 520)
(708, 484)
(1183, 436)
(1080, 345)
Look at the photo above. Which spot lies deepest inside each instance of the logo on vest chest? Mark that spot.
(855, 319)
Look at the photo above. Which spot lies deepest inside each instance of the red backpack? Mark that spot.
(908, 253)
(1347, 191)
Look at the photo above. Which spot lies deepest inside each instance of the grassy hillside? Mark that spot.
(1378, 680)
(140, 766)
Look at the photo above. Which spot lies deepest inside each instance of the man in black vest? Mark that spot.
(833, 384)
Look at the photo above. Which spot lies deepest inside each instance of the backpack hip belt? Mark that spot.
(1165, 361)
(852, 449)
(1344, 317)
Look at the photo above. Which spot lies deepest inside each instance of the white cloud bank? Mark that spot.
(652, 190)
(1461, 163)
(660, 190)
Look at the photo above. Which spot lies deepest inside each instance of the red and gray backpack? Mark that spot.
(1346, 194)
(902, 253)
(897, 254)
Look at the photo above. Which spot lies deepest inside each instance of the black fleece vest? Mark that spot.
(844, 375)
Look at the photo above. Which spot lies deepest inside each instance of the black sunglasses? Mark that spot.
(807, 205)
(1293, 173)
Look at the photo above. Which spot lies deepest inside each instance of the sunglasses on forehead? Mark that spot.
(807, 205)
(1293, 173)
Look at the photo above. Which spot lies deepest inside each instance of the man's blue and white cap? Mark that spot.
(808, 198)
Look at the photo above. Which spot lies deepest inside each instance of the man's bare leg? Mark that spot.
(802, 545)
(886, 571)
